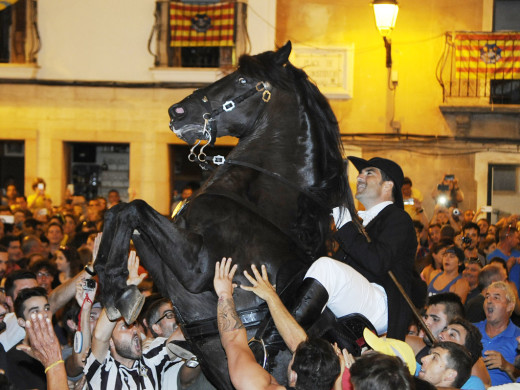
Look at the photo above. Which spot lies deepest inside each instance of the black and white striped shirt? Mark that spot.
(146, 373)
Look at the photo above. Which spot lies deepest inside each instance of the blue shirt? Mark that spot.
(505, 343)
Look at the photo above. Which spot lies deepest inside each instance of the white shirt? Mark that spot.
(371, 213)
(13, 332)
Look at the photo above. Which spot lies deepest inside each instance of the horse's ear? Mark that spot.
(282, 54)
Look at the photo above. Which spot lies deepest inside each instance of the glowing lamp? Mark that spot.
(385, 12)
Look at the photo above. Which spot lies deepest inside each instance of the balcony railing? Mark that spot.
(484, 66)
(185, 41)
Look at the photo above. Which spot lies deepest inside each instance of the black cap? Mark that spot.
(390, 168)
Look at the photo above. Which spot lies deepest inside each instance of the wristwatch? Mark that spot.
(89, 271)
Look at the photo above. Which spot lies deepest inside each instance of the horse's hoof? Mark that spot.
(130, 304)
(112, 313)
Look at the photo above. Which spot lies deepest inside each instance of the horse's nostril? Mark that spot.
(176, 112)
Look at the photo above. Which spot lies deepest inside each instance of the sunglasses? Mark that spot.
(167, 314)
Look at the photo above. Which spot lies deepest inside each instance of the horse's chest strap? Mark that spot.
(209, 327)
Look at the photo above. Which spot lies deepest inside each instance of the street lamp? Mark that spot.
(385, 12)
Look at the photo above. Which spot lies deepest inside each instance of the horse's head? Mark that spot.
(231, 105)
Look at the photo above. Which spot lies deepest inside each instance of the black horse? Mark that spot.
(268, 203)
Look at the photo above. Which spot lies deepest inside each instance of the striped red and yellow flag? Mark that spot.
(487, 55)
(202, 25)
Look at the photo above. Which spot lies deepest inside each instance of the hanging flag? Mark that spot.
(487, 55)
(6, 3)
(202, 25)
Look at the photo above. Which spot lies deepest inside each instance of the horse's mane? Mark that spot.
(312, 224)
(333, 184)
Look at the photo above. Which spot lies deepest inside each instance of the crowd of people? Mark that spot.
(461, 273)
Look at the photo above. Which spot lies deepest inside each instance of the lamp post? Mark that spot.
(385, 12)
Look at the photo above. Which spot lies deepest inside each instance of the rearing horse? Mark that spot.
(268, 203)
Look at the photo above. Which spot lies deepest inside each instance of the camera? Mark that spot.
(449, 177)
(443, 187)
(41, 186)
(408, 201)
(89, 285)
(456, 212)
(466, 240)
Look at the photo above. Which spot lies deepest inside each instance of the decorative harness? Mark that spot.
(210, 124)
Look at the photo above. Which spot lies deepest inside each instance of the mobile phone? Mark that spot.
(487, 209)
(409, 201)
(449, 177)
(41, 186)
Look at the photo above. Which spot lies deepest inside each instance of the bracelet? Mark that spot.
(54, 364)
(88, 271)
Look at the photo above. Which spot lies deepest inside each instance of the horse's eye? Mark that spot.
(242, 80)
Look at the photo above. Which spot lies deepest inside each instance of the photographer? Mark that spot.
(470, 242)
(448, 192)
(444, 216)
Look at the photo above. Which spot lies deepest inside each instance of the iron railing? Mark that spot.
(482, 65)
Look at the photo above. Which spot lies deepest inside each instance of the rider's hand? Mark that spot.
(260, 283)
(341, 216)
(223, 280)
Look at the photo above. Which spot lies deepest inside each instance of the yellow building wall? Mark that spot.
(417, 45)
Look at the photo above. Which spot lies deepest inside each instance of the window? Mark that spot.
(210, 35)
(504, 178)
(503, 190)
(505, 16)
(19, 38)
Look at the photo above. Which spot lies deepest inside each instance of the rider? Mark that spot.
(357, 280)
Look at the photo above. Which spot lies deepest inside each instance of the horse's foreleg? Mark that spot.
(158, 242)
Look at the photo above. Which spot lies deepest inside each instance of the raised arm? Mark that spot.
(244, 371)
(291, 332)
(65, 292)
(74, 363)
(104, 327)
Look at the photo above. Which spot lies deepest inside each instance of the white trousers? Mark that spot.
(350, 292)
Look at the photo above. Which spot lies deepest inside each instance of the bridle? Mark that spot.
(210, 132)
(210, 124)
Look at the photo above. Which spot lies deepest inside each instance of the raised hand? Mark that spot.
(133, 270)
(223, 280)
(260, 283)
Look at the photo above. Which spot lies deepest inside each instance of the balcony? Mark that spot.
(479, 73)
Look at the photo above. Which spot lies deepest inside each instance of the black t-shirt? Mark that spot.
(24, 372)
